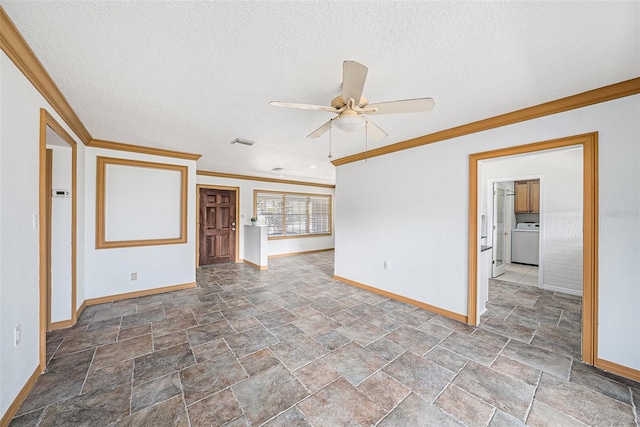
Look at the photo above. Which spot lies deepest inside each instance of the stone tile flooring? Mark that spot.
(522, 274)
(291, 347)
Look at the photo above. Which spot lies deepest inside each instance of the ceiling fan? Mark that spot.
(351, 107)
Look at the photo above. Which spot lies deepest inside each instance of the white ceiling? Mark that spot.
(194, 75)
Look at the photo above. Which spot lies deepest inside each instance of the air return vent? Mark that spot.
(243, 142)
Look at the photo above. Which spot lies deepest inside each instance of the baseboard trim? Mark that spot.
(80, 310)
(19, 400)
(118, 297)
(618, 369)
(62, 324)
(446, 313)
(562, 290)
(300, 253)
(256, 266)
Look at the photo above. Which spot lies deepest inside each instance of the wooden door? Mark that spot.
(217, 226)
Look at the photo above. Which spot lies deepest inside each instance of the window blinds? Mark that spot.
(294, 214)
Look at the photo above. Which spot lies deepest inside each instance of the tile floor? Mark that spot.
(291, 347)
(521, 274)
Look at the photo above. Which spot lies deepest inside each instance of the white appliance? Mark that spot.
(525, 242)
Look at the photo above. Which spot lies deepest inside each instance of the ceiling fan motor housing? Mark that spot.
(338, 103)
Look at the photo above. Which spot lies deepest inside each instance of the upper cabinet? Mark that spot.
(527, 196)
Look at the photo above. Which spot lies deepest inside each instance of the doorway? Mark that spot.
(58, 215)
(217, 225)
(588, 142)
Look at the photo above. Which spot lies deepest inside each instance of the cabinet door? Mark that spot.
(522, 196)
(534, 196)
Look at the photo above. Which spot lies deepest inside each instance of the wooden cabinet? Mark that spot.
(527, 196)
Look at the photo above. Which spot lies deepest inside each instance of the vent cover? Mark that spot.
(243, 142)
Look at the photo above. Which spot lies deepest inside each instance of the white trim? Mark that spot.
(576, 292)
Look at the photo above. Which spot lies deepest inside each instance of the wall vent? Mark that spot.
(243, 142)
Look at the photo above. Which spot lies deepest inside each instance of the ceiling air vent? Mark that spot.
(243, 142)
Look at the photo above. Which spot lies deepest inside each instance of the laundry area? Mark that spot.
(525, 237)
(531, 217)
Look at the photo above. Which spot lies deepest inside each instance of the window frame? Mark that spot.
(284, 195)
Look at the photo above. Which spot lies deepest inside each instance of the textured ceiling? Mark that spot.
(193, 76)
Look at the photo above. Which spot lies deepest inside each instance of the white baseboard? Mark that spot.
(562, 290)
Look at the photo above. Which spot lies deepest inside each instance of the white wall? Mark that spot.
(20, 105)
(108, 271)
(61, 210)
(411, 208)
(245, 212)
(562, 257)
(142, 203)
(560, 173)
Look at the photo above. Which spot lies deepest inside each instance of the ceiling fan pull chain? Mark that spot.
(366, 141)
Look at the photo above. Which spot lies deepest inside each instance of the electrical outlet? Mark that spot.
(134, 276)
(387, 265)
(17, 335)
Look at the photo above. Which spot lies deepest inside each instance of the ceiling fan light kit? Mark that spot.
(351, 114)
(350, 122)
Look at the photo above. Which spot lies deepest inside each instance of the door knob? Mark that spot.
(233, 229)
(233, 223)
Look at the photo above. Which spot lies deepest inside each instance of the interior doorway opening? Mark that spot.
(58, 229)
(588, 143)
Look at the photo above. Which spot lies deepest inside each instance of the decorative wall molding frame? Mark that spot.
(101, 195)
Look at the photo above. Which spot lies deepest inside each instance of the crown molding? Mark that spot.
(260, 178)
(110, 145)
(595, 96)
(17, 49)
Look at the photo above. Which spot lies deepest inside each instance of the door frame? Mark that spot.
(494, 232)
(47, 222)
(217, 187)
(589, 143)
(44, 246)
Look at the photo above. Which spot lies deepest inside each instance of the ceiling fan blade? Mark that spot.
(375, 132)
(354, 75)
(302, 106)
(322, 129)
(404, 106)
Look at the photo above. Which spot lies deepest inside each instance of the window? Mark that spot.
(293, 214)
